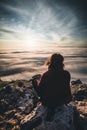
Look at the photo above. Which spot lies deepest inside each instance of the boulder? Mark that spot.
(20, 109)
(62, 119)
(76, 82)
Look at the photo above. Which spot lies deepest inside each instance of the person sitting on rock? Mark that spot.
(53, 87)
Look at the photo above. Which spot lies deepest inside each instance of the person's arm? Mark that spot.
(39, 84)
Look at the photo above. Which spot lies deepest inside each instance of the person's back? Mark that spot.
(55, 89)
(54, 85)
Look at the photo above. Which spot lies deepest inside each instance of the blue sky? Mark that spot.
(36, 22)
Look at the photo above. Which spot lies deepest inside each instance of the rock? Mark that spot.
(80, 95)
(20, 109)
(62, 119)
(11, 123)
(16, 127)
(3, 106)
(20, 84)
(27, 102)
(10, 114)
(76, 82)
(31, 124)
(8, 89)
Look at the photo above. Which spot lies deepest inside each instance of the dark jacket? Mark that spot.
(54, 88)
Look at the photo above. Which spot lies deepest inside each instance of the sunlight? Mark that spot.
(29, 42)
(29, 39)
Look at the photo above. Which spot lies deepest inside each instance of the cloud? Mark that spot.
(39, 21)
(6, 31)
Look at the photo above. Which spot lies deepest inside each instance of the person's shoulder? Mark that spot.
(66, 71)
(45, 73)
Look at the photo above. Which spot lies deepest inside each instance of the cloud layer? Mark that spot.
(22, 64)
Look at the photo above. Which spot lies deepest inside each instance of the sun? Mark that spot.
(29, 40)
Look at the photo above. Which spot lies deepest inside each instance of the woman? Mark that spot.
(54, 85)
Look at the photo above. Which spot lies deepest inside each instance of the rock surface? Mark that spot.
(20, 108)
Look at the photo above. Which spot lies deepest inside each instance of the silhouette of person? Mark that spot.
(53, 87)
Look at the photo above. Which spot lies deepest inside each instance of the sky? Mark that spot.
(36, 22)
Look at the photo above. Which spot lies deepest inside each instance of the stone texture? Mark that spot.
(20, 108)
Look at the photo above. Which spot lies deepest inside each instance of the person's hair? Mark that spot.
(55, 61)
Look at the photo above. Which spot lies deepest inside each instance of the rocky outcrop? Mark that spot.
(20, 108)
(76, 82)
(79, 93)
(17, 99)
(62, 119)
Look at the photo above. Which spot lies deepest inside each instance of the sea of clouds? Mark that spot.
(23, 64)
